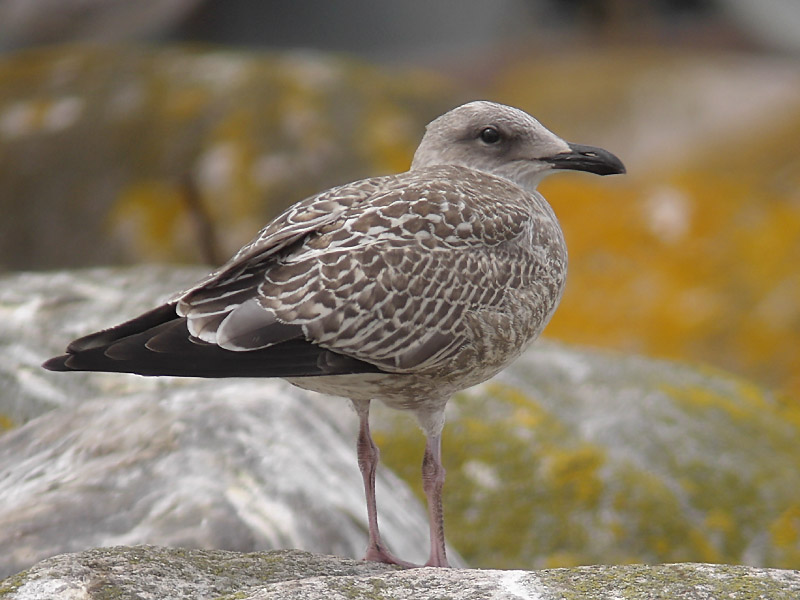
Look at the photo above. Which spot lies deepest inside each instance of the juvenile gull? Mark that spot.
(404, 288)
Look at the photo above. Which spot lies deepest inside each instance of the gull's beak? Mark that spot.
(587, 158)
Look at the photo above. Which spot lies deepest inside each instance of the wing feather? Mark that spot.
(394, 274)
(382, 270)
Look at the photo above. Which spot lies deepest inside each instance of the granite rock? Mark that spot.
(131, 573)
(104, 459)
(594, 457)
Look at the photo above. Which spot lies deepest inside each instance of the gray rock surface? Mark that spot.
(41, 312)
(139, 572)
(599, 457)
(232, 464)
(242, 466)
(594, 457)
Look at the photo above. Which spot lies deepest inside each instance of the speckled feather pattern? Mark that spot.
(440, 276)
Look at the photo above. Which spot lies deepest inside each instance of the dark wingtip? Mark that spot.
(100, 339)
(57, 363)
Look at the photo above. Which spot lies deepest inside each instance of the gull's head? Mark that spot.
(506, 142)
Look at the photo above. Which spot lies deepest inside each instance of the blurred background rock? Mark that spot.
(171, 131)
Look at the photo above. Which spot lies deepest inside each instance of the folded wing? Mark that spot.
(375, 276)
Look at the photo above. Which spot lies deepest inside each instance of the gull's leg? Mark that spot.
(368, 457)
(432, 422)
(432, 482)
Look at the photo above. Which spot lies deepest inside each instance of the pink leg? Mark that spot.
(368, 457)
(432, 482)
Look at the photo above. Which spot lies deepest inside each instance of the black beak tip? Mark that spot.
(615, 166)
(589, 159)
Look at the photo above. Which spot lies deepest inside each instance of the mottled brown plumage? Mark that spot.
(404, 288)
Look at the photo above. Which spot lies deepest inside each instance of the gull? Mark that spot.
(403, 288)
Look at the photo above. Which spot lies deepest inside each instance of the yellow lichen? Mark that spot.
(692, 258)
(785, 530)
(150, 216)
(6, 423)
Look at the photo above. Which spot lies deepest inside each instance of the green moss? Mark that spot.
(108, 591)
(566, 501)
(523, 460)
(11, 584)
(663, 581)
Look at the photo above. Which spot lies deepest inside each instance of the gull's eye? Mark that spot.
(490, 135)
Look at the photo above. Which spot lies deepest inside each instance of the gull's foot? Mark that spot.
(438, 563)
(381, 554)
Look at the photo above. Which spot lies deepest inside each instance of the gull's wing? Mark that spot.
(396, 274)
(391, 274)
(159, 341)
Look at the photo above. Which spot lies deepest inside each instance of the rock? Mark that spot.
(41, 312)
(166, 573)
(247, 465)
(182, 154)
(601, 457)
(232, 464)
(172, 574)
(593, 457)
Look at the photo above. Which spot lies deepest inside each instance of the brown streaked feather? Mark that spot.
(369, 274)
(381, 271)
